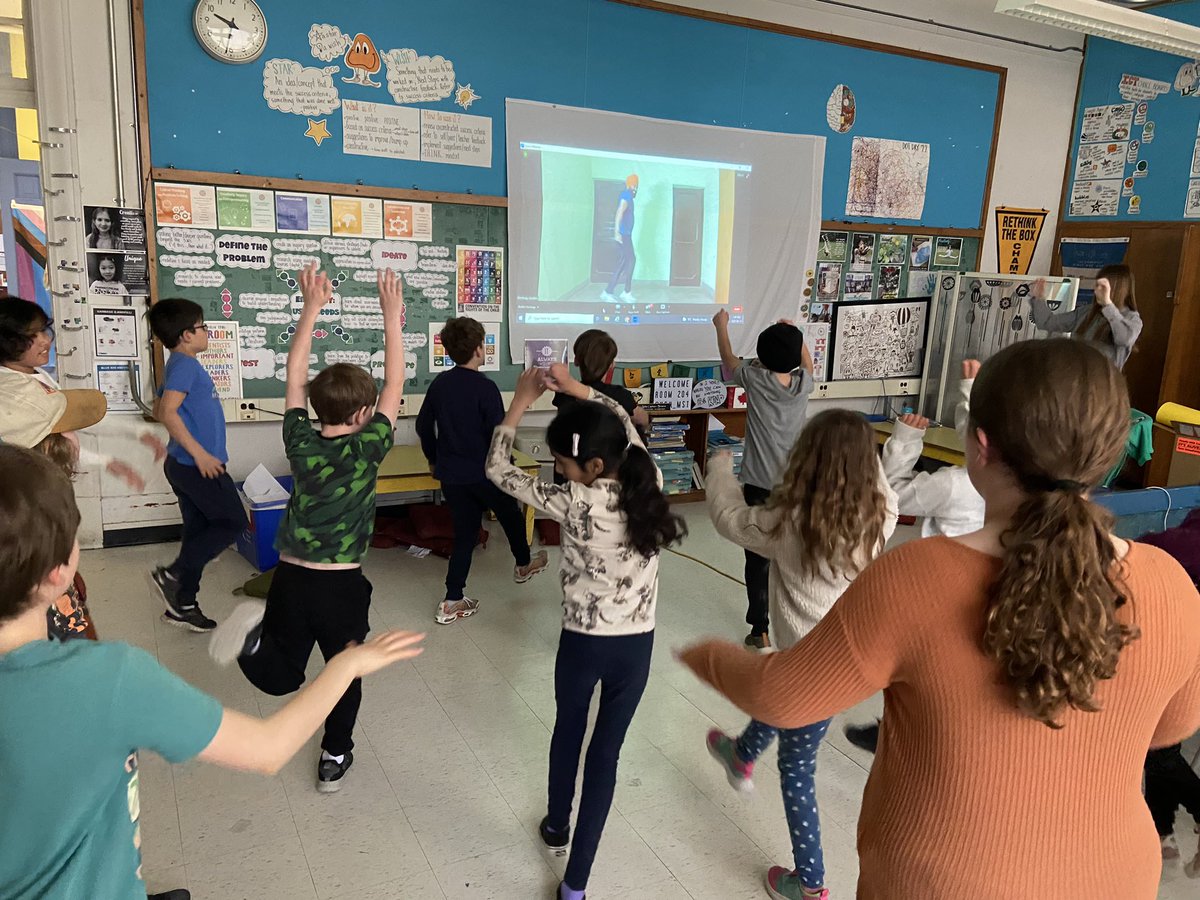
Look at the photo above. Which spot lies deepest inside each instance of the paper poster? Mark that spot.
(115, 332)
(380, 129)
(831, 246)
(816, 337)
(222, 360)
(829, 280)
(879, 340)
(456, 138)
(920, 251)
(893, 248)
(1187, 79)
(1132, 155)
(1141, 113)
(887, 178)
(947, 251)
(480, 287)
(859, 286)
(1191, 205)
(412, 78)
(112, 380)
(301, 213)
(1196, 159)
(404, 219)
(862, 252)
(1103, 160)
(1106, 123)
(114, 228)
(541, 353)
(117, 274)
(1127, 186)
(921, 284)
(817, 312)
(1095, 198)
(1148, 133)
(1083, 257)
(840, 109)
(889, 282)
(1135, 205)
(301, 90)
(185, 205)
(357, 216)
(1017, 233)
(245, 209)
(1135, 87)
(439, 359)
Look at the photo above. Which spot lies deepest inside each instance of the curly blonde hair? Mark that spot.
(830, 495)
(1057, 414)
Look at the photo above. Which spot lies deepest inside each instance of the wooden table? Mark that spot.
(405, 470)
(941, 443)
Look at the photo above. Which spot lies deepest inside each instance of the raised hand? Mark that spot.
(126, 473)
(721, 319)
(315, 287)
(1103, 291)
(382, 651)
(970, 368)
(154, 442)
(914, 421)
(391, 293)
(530, 386)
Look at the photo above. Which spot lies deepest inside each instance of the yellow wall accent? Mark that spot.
(27, 134)
(724, 236)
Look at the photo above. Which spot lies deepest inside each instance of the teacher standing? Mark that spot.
(1112, 321)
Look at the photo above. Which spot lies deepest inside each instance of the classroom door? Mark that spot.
(607, 195)
(687, 235)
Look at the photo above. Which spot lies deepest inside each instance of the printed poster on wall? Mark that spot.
(357, 216)
(1106, 123)
(223, 358)
(456, 138)
(115, 332)
(185, 205)
(301, 213)
(381, 129)
(1103, 160)
(245, 209)
(412, 221)
(1191, 205)
(115, 229)
(1017, 233)
(887, 178)
(112, 380)
(480, 290)
(1095, 198)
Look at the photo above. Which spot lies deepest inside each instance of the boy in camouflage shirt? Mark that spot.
(319, 593)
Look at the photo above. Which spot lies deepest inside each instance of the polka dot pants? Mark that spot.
(797, 780)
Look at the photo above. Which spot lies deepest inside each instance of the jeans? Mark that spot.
(327, 607)
(467, 503)
(758, 571)
(621, 665)
(213, 518)
(626, 260)
(1170, 783)
(797, 780)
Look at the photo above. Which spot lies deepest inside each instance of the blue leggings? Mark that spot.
(797, 780)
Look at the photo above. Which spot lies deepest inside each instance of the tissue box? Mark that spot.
(257, 542)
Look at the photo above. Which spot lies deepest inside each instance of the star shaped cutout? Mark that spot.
(317, 130)
(1096, 206)
(464, 96)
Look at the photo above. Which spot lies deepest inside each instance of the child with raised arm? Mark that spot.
(190, 409)
(319, 594)
(830, 514)
(778, 384)
(615, 520)
(100, 703)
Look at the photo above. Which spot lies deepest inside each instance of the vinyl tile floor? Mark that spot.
(448, 783)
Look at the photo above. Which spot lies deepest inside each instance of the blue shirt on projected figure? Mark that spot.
(626, 257)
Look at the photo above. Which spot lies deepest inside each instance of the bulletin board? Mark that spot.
(349, 93)
(242, 267)
(1135, 151)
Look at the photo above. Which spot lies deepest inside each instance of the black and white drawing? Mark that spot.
(878, 340)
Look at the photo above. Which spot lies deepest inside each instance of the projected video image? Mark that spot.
(622, 229)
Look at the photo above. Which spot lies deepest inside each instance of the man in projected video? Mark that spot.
(623, 232)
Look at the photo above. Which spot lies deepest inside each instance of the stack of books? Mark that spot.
(719, 440)
(676, 467)
(666, 434)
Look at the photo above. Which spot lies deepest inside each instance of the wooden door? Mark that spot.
(687, 235)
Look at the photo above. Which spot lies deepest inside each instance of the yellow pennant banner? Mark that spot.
(1017, 233)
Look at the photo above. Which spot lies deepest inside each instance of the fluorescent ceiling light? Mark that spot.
(1106, 20)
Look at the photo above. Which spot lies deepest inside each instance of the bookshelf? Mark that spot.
(696, 437)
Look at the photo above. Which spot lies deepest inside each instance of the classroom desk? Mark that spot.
(405, 470)
(942, 444)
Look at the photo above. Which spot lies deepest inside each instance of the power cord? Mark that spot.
(707, 566)
(1167, 514)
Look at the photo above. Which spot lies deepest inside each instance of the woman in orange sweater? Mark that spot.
(1026, 667)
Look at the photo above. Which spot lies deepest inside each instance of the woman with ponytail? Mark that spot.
(1111, 322)
(614, 521)
(1026, 667)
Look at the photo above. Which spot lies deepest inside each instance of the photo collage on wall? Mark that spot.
(117, 278)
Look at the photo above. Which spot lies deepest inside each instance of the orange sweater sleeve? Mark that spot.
(854, 652)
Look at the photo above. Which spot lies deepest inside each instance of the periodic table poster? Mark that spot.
(480, 292)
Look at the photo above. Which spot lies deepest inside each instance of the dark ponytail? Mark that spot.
(590, 430)
(1057, 414)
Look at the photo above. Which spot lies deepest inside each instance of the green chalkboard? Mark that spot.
(248, 277)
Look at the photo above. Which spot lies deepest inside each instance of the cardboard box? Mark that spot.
(1184, 468)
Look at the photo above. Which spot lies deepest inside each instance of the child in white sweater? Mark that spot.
(830, 515)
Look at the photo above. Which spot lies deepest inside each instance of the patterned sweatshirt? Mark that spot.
(609, 588)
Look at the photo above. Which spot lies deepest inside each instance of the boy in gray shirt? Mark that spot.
(777, 384)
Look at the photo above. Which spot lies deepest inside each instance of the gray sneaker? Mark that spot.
(238, 635)
(330, 773)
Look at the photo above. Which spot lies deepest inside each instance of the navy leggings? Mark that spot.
(621, 665)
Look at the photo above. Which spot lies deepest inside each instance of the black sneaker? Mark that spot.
(329, 773)
(177, 894)
(164, 585)
(189, 618)
(557, 841)
(865, 737)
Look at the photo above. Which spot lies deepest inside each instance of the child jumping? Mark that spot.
(79, 836)
(614, 520)
(189, 408)
(830, 515)
(455, 424)
(319, 593)
(777, 384)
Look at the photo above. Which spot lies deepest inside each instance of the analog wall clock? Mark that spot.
(230, 31)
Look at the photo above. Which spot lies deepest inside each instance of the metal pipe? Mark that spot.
(114, 74)
(135, 391)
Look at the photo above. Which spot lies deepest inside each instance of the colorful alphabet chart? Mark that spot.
(480, 283)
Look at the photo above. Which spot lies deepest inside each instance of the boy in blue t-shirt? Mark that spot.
(82, 710)
(189, 407)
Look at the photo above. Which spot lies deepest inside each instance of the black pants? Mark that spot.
(621, 665)
(626, 260)
(1170, 783)
(467, 503)
(213, 518)
(327, 607)
(758, 570)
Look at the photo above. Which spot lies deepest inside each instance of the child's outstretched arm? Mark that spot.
(729, 360)
(166, 411)
(549, 498)
(962, 412)
(751, 527)
(316, 291)
(559, 379)
(391, 301)
(266, 745)
(917, 493)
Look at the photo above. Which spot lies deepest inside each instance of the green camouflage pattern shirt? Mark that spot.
(331, 514)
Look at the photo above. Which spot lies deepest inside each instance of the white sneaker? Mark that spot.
(627, 297)
(238, 634)
(607, 297)
(537, 563)
(449, 611)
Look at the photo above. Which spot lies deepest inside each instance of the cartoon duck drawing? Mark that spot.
(363, 58)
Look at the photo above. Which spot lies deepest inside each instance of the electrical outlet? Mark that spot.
(403, 408)
(247, 412)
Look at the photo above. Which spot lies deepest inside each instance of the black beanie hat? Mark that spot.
(780, 346)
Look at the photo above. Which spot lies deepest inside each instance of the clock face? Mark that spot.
(232, 31)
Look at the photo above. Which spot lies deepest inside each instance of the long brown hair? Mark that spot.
(830, 494)
(1094, 326)
(1057, 414)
